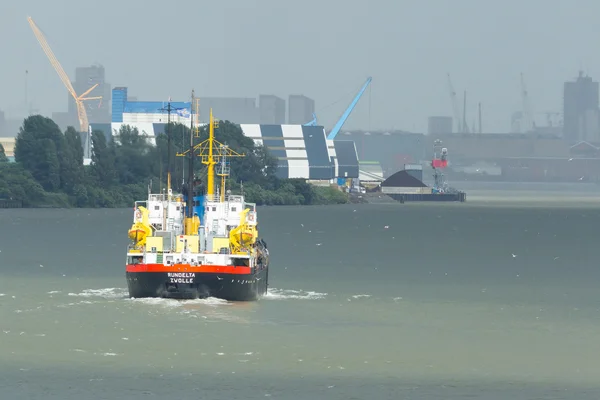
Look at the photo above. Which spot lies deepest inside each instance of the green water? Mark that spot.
(413, 301)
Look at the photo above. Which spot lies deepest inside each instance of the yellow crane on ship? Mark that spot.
(79, 99)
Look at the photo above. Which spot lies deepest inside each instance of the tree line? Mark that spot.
(49, 169)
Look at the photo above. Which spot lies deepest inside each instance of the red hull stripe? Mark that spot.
(208, 269)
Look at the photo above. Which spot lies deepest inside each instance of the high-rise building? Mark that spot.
(580, 107)
(300, 109)
(271, 109)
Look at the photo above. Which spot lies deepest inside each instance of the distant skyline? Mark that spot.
(324, 50)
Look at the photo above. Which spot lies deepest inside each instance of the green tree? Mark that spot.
(50, 171)
(180, 142)
(39, 148)
(72, 161)
(16, 183)
(132, 160)
(103, 169)
(257, 165)
(3, 157)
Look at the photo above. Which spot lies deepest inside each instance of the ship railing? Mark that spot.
(212, 198)
(235, 198)
(232, 197)
(131, 248)
(164, 197)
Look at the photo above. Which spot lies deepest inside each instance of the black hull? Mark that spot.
(233, 287)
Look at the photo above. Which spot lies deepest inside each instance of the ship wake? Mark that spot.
(288, 294)
(123, 294)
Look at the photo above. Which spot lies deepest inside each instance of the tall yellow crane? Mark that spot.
(83, 119)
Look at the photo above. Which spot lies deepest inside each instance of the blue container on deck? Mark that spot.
(197, 206)
(341, 181)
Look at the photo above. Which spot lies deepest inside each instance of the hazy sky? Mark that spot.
(323, 49)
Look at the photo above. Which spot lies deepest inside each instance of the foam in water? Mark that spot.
(121, 293)
(285, 294)
(173, 303)
(108, 293)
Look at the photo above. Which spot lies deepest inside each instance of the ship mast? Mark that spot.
(210, 181)
(211, 155)
(190, 198)
(189, 219)
(169, 151)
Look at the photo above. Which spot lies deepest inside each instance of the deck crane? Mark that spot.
(79, 99)
(333, 133)
(455, 109)
(527, 123)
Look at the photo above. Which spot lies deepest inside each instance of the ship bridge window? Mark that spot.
(241, 262)
(214, 208)
(157, 207)
(233, 209)
(135, 260)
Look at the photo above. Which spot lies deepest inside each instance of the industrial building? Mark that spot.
(270, 109)
(304, 151)
(142, 113)
(300, 109)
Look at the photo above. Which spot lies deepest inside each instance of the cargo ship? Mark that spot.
(200, 243)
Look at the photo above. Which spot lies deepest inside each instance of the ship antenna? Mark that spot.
(168, 132)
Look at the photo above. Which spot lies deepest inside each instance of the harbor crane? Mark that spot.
(79, 99)
(338, 126)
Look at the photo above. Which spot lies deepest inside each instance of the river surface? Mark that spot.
(487, 300)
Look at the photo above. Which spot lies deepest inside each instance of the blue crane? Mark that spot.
(313, 122)
(346, 114)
